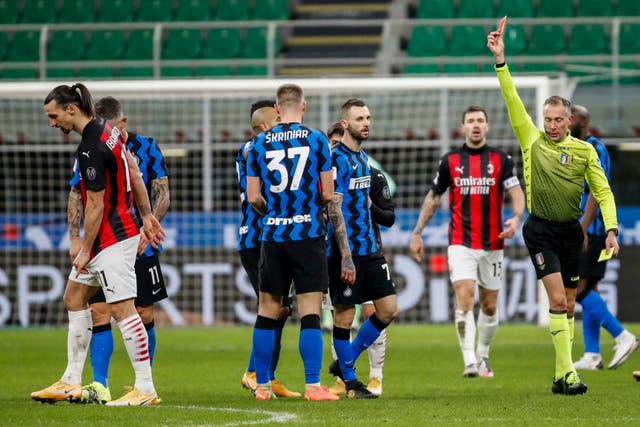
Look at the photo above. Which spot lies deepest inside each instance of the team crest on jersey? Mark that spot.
(490, 169)
(540, 260)
(91, 173)
(565, 158)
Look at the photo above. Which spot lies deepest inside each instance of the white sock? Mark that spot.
(487, 327)
(376, 352)
(466, 331)
(78, 339)
(136, 341)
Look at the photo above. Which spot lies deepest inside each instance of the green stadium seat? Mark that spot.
(116, 11)
(96, 73)
(155, 11)
(77, 11)
(255, 45)
(8, 11)
(555, 8)
(232, 10)
(4, 45)
(629, 39)
(140, 45)
(475, 9)
(628, 8)
(515, 8)
(38, 11)
(427, 41)
(193, 10)
(19, 74)
(460, 68)
(61, 73)
(515, 39)
(629, 66)
(182, 44)
(105, 45)
(271, 10)
(222, 43)
(66, 46)
(468, 40)
(251, 70)
(176, 72)
(24, 46)
(435, 9)
(213, 72)
(135, 73)
(541, 68)
(546, 40)
(587, 39)
(594, 8)
(421, 69)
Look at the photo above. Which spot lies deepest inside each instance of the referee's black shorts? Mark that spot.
(554, 247)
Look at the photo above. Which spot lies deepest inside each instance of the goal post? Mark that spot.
(199, 125)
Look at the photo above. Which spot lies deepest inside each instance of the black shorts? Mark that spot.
(554, 247)
(150, 282)
(302, 261)
(250, 259)
(373, 280)
(590, 268)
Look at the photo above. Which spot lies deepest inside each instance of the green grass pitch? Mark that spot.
(197, 373)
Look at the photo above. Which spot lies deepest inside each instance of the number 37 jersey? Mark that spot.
(289, 159)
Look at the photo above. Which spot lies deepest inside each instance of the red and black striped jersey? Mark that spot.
(476, 180)
(103, 165)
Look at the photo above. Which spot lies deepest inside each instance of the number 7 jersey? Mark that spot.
(289, 159)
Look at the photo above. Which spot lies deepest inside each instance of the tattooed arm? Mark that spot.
(160, 197)
(74, 219)
(429, 206)
(348, 273)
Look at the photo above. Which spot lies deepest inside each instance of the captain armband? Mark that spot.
(511, 182)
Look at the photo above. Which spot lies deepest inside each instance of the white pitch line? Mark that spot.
(272, 417)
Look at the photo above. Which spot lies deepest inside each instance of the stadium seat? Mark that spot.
(629, 66)
(213, 71)
(77, 11)
(515, 39)
(182, 44)
(176, 72)
(66, 45)
(116, 11)
(251, 70)
(38, 11)
(105, 45)
(136, 73)
(271, 10)
(19, 74)
(232, 10)
(468, 40)
(24, 46)
(4, 45)
(255, 45)
(629, 39)
(427, 41)
(546, 40)
(222, 43)
(475, 9)
(61, 73)
(435, 9)
(96, 73)
(193, 10)
(628, 8)
(587, 39)
(421, 69)
(140, 45)
(594, 8)
(515, 8)
(460, 68)
(154, 11)
(540, 68)
(8, 11)
(555, 8)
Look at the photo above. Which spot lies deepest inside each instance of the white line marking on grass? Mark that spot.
(271, 416)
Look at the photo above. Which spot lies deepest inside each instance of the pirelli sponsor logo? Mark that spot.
(360, 183)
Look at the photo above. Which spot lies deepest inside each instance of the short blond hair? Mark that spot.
(289, 95)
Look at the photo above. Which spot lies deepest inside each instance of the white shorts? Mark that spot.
(484, 267)
(113, 269)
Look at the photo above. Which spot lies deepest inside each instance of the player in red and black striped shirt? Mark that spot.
(476, 176)
(107, 253)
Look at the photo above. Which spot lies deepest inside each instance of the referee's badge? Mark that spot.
(565, 158)
(347, 292)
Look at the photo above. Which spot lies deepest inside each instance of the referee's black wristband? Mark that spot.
(501, 65)
(615, 230)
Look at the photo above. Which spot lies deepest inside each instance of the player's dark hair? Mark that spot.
(335, 128)
(289, 95)
(352, 102)
(109, 108)
(474, 109)
(77, 94)
(558, 100)
(261, 104)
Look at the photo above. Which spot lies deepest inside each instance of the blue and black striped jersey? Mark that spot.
(597, 226)
(352, 178)
(151, 163)
(249, 230)
(289, 159)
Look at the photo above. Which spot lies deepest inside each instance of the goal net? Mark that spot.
(199, 126)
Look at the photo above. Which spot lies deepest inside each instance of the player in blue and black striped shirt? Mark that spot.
(358, 272)
(595, 312)
(289, 180)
